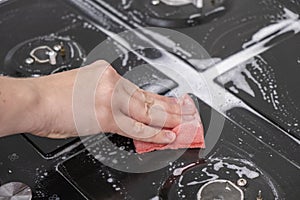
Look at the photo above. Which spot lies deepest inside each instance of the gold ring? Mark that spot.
(149, 101)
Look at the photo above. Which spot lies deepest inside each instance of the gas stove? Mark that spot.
(252, 60)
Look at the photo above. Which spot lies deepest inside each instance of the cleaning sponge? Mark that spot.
(189, 134)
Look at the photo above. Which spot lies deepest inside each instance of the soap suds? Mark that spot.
(203, 64)
(213, 177)
(164, 40)
(291, 22)
(240, 171)
(178, 171)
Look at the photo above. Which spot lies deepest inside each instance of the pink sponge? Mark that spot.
(189, 135)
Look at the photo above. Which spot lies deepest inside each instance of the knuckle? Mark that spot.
(138, 128)
(175, 108)
(110, 71)
(100, 63)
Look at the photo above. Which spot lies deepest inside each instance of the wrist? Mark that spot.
(53, 113)
(34, 105)
(42, 106)
(19, 101)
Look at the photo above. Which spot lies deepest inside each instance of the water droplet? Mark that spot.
(109, 180)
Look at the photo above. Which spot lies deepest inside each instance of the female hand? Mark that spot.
(96, 99)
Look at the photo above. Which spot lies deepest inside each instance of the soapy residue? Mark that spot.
(257, 72)
(290, 23)
(155, 198)
(166, 41)
(213, 177)
(125, 53)
(240, 171)
(218, 9)
(178, 171)
(214, 169)
(237, 76)
(221, 161)
(203, 64)
(126, 4)
(216, 165)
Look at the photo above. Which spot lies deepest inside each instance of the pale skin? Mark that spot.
(43, 106)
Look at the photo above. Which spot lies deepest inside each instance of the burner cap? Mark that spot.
(220, 189)
(15, 190)
(219, 178)
(43, 56)
(157, 13)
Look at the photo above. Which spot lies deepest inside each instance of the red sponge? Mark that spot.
(189, 135)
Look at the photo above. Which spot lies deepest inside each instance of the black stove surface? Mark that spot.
(268, 90)
(222, 34)
(269, 83)
(238, 154)
(25, 35)
(249, 147)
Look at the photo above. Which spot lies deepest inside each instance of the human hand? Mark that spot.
(118, 105)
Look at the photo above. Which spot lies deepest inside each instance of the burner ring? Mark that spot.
(176, 13)
(220, 189)
(198, 175)
(36, 58)
(41, 56)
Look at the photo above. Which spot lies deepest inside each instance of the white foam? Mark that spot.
(203, 64)
(240, 171)
(213, 177)
(179, 182)
(195, 15)
(166, 41)
(289, 14)
(237, 76)
(218, 165)
(178, 171)
(238, 79)
(155, 198)
(110, 180)
(290, 23)
(218, 9)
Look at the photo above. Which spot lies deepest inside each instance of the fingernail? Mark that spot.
(170, 136)
(187, 101)
(187, 118)
(188, 109)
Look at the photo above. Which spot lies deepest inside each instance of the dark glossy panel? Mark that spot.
(49, 147)
(270, 82)
(268, 134)
(274, 157)
(20, 162)
(221, 34)
(236, 151)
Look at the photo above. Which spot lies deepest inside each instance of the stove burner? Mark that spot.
(215, 179)
(164, 14)
(15, 190)
(197, 3)
(220, 189)
(42, 56)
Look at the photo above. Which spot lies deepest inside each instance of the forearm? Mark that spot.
(19, 102)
